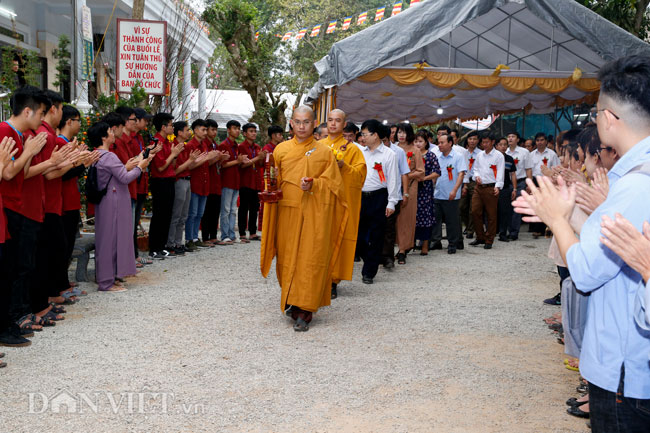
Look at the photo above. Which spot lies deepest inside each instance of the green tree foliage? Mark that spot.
(631, 15)
(62, 55)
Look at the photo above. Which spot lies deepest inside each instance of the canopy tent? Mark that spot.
(449, 59)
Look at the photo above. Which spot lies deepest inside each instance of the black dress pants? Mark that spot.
(162, 195)
(390, 235)
(372, 230)
(249, 205)
(210, 220)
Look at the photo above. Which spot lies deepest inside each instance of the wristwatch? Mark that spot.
(406, 195)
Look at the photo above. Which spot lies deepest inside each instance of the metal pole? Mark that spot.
(449, 61)
(509, 28)
(523, 125)
(550, 56)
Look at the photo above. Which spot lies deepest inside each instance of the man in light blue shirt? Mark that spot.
(446, 197)
(614, 357)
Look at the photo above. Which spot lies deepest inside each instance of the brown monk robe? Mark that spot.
(353, 169)
(304, 230)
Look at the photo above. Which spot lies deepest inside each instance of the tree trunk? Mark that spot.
(641, 7)
(137, 12)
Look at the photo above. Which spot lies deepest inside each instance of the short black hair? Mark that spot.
(161, 119)
(385, 131)
(113, 119)
(456, 131)
(489, 135)
(540, 134)
(628, 80)
(444, 128)
(232, 123)
(374, 126)
(198, 123)
(274, 129)
(350, 127)
(472, 134)
(589, 140)
(96, 132)
(27, 97)
(514, 133)
(571, 135)
(211, 123)
(501, 138)
(54, 98)
(69, 112)
(179, 126)
(125, 112)
(408, 129)
(423, 134)
(320, 128)
(248, 126)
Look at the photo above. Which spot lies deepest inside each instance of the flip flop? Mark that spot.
(115, 289)
(301, 325)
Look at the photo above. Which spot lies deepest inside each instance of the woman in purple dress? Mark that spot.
(425, 218)
(113, 218)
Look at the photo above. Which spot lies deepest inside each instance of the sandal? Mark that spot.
(3, 364)
(45, 322)
(254, 238)
(27, 323)
(139, 265)
(51, 315)
(144, 261)
(78, 292)
(244, 240)
(224, 243)
(114, 288)
(401, 258)
(301, 325)
(57, 309)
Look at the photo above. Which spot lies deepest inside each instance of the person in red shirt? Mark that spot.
(163, 179)
(210, 220)
(138, 146)
(249, 202)
(276, 136)
(28, 105)
(185, 162)
(199, 183)
(69, 127)
(230, 183)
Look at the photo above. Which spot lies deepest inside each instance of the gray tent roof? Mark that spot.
(534, 36)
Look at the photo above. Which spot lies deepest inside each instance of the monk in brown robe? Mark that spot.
(305, 229)
(353, 169)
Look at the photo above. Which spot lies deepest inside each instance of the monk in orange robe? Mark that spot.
(353, 169)
(304, 230)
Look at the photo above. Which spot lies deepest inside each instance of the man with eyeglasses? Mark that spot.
(379, 198)
(353, 170)
(615, 347)
(305, 229)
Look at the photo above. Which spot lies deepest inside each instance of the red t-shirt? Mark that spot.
(230, 175)
(215, 175)
(269, 148)
(160, 159)
(248, 176)
(182, 159)
(200, 176)
(137, 146)
(11, 190)
(32, 197)
(122, 148)
(53, 192)
(69, 187)
(3, 222)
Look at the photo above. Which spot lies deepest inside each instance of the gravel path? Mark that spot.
(198, 344)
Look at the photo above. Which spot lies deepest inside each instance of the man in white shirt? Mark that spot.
(469, 183)
(404, 169)
(488, 173)
(542, 156)
(524, 165)
(379, 197)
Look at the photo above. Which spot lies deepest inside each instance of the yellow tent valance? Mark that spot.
(445, 80)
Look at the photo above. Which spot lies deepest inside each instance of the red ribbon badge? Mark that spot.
(380, 171)
(471, 162)
(545, 161)
(516, 161)
(409, 156)
(494, 170)
(450, 172)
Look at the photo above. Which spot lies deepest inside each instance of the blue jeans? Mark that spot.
(228, 213)
(611, 412)
(197, 206)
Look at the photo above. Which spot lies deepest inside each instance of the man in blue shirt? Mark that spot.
(614, 357)
(446, 196)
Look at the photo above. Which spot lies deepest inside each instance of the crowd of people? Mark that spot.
(346, 194)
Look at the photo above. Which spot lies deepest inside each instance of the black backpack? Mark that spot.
(94, 194)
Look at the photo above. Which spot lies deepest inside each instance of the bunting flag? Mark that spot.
(331, 27)
(346, 23)
(380, 14)
(414, 2)
(257, 36)
(397, 8)
(362, 18)
(278, 35)
(315, 31)
(286, 36)
(301, 33)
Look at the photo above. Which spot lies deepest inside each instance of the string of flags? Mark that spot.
(346, 22)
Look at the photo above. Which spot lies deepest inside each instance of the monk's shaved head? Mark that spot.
(335, 122)
(303, 109)
(339, 111)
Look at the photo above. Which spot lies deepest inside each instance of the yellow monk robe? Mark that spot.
(305, 229)
(354, 175)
